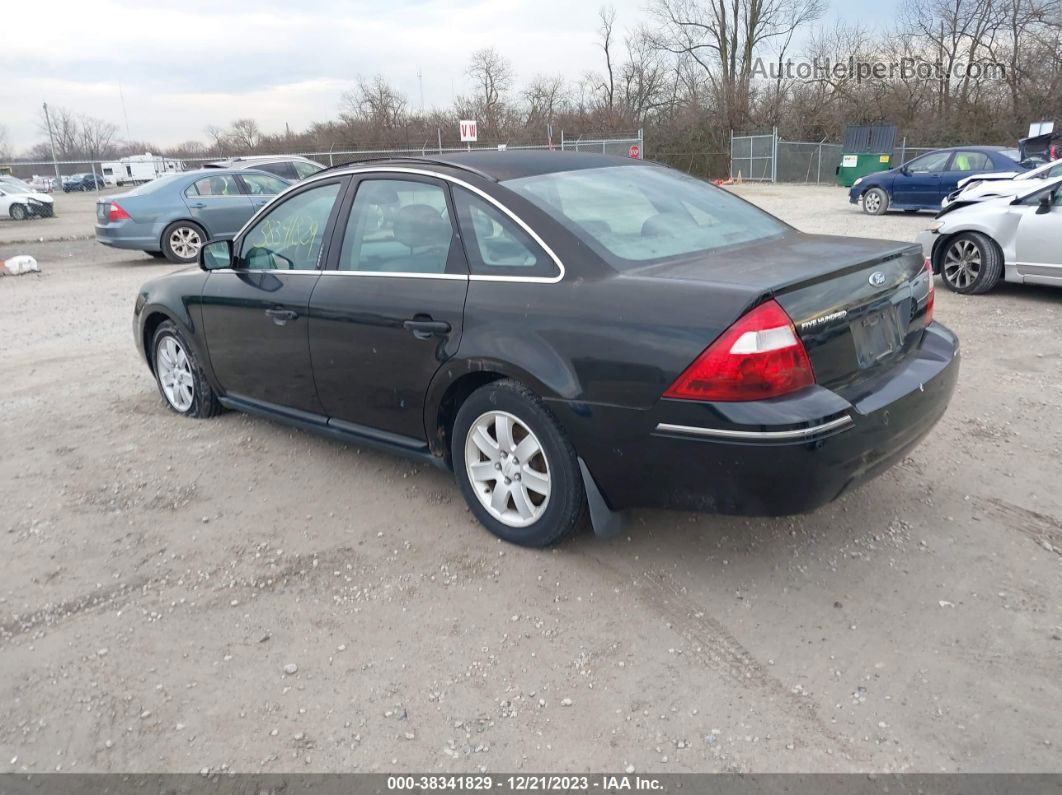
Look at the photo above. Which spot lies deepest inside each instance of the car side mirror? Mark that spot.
(216, 255)
(1045, 203)
(906, 171)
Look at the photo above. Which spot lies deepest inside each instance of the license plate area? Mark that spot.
(876, 336)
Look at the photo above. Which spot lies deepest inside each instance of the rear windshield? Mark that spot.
(154, 185)
(1013, 154)
(634, 215)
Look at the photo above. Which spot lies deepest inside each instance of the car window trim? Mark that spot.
(481, 193)
(326, 244)
(339, 231)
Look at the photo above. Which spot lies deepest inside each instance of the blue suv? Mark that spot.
(920, 184)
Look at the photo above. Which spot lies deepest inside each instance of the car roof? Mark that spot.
(504, 165)
(231, 161)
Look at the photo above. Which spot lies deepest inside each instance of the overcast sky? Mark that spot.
(184, 64)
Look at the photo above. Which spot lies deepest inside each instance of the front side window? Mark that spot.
(264, 184)
(290, 236)
(220, 185)
(397, 226)
(635, 215)
(926, 164)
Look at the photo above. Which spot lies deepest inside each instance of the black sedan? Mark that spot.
(566, 332)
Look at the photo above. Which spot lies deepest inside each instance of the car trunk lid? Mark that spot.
(858, 305)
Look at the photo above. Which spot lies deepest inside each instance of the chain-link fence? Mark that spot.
(767, 157)
(70, 175)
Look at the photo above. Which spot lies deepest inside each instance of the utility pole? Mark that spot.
(51, 140)
(420, 79)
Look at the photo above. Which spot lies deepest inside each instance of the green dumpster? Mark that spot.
(854, 166)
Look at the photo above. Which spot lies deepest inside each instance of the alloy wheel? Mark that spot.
(872, 202)
(962, 264)
(507, 468)
(185, 242)
(175, 374)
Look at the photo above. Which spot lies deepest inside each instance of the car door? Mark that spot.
(255, 313)
(964, 163)
(219, 205)
(1038, 242)
(388, 310)
(918, 183)
(261, 188)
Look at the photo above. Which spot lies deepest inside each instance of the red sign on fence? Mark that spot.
(635, 151)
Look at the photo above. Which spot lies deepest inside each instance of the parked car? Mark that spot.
(1005, 183)
(1016, 238)
(921, 183)
(20, 201)
(562, 330)
(73, 182)
(289, 167)
(174, 215)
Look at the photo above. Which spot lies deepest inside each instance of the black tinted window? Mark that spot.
(495, 244)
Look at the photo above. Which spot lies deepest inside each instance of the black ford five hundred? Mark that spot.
(566, 332)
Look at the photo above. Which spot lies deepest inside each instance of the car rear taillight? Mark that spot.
(116, 213)
(932, 292)
(758, 357)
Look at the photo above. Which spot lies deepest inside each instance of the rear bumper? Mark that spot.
(128, 236)
(766, 458)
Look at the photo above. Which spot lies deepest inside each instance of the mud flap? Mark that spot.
(605, 521)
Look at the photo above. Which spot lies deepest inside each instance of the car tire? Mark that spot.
(875, 201)
(494, 423)
(179, 375)
(18, 212)
(970, 263)
(182, 240)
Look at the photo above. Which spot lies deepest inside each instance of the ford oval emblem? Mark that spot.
(877, 279)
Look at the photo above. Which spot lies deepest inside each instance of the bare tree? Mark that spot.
(219, 141)
(607, 87)
(64, 130)
(376, 101)
(724, 37)
(493, 75)
(96, 138)
(245, 135)
(545, 97)
(5, 153)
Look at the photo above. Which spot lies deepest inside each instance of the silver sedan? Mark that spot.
(1017, 238)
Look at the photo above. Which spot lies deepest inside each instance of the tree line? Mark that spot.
(691, 71)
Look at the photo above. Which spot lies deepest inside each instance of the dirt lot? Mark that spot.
(161, 575)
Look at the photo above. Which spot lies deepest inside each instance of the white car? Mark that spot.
(20, 201)
(1018, 238)
(980, 187)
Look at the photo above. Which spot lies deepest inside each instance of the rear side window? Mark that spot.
(971, 161)
(264, 184)
(397, 226)
(282, 169)
(290, 236)
(221, 185)
(305, 170)
(495, 244)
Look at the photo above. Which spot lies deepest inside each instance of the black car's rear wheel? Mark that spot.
(515, 467)
(971, 263)
(182, 240)
(179, 376)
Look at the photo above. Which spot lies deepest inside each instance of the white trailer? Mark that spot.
(138, 169)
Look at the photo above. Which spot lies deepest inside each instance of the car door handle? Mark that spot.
(197, 205)
(426, 329)
(281, 316)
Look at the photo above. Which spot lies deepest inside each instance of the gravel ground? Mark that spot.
(231, 594)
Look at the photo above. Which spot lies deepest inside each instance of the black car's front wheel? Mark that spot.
(179, 376)
(515, 467)
(182, 240)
